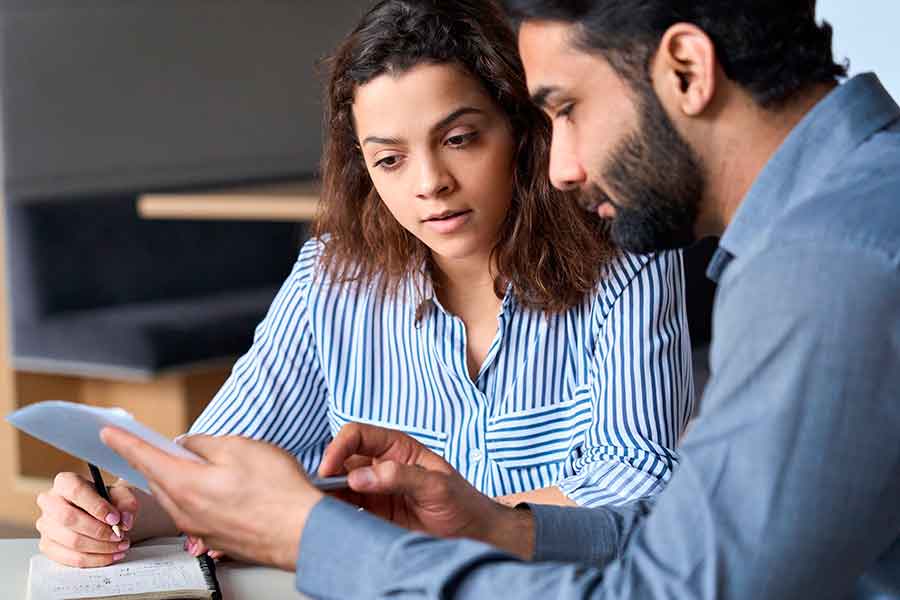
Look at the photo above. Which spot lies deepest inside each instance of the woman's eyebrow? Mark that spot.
(459, 112)
(381, 140)
(465, 110)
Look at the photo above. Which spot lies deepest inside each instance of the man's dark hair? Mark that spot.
(772, 48)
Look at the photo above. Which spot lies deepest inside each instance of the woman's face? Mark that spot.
(440, 154)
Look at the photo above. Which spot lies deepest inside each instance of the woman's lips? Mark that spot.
(450, 223)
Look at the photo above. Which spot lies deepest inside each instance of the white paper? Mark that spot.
(75, 428)
(145, 569)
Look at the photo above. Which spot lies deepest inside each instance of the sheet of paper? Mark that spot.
(145, 569)
(75, 428)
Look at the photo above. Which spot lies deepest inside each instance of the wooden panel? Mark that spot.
(199, 389)
(167, 404)
(38, 460)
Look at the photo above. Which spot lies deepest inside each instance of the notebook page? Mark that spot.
(145, 569)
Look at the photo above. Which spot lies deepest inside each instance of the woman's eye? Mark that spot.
(458, 141)
(388, 162)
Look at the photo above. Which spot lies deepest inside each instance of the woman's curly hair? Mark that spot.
(549, 250)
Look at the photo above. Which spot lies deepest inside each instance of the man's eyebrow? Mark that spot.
(465, 110)
(539, 97)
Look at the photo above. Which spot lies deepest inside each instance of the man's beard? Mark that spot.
(658, 181)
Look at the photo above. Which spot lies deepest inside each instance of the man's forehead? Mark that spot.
(551, 59)
(545, 40)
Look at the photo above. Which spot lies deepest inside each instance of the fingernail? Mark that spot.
(112, 519)
(124, 545)
(362, 478)
(119, 556)
(179, 439)
(127, 520)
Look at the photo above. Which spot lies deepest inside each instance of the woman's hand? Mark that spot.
(76, 522)
(196, 547)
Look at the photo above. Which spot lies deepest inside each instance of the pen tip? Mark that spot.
(117, 531)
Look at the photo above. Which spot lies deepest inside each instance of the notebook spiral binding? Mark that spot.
(208, 566)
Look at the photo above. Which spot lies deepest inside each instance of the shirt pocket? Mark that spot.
(436, 441)
(540, 436)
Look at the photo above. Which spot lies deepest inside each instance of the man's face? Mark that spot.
(612, 141)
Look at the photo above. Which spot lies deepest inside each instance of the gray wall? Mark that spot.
(127, 94)
(100, 95)
(865, 31)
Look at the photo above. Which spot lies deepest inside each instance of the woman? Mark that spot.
(451, 293)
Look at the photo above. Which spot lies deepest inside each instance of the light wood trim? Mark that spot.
(292, 201)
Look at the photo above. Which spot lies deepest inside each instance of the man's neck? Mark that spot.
(747, 138)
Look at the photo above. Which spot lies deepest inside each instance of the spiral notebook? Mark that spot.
(159, 572)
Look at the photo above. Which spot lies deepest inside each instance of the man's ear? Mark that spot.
(684, 69)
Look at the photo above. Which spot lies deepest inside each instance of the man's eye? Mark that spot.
(458, 141)
(566, 111)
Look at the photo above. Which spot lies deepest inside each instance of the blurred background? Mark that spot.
(158, 163)
(863, 34)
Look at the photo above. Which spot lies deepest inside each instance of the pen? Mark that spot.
(327, 484)
(104, 493)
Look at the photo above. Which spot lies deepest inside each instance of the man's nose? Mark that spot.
(566, 172)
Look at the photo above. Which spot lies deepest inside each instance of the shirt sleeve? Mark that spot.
(276, 391)
(788, 483)
(643, 384)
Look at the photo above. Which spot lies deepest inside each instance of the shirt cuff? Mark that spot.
(576, 534)
(341, 551)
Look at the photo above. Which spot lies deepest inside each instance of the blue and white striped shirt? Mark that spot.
(591, 400)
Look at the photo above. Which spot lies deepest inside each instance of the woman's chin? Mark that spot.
(459, 249)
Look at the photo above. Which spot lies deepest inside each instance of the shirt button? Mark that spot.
(476, 454)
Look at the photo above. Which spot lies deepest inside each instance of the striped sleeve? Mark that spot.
(276, 391)
(643, 384)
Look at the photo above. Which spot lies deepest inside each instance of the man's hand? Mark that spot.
(396, 478)
(249, 499)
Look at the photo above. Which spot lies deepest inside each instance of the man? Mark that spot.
(675, 120)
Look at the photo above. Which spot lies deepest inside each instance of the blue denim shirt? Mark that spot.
(789, 482)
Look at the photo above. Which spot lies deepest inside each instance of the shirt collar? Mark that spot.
(839, 123)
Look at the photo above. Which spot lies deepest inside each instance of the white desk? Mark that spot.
(238, 581)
